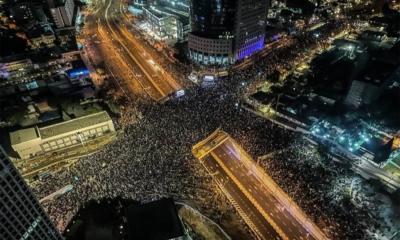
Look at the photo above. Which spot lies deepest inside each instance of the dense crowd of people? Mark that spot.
(311, 191)
(153, 158)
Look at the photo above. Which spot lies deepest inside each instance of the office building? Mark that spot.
(250, 27)
(160, 24)
(167, 22)
(30, 142)
(225, 31)
(211, 37)
(27, 13)
(62, 12)
(21, 216)
(21, 11)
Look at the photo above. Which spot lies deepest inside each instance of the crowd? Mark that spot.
(309, 178)
(296, 49)
(153, 157)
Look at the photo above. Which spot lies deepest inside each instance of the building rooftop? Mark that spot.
(74, 124)
(154, 221)
(155, 12)
(116, 219)
(376, 73)
(23, 135)
(180, 15)
(161, 12)
(39, 31)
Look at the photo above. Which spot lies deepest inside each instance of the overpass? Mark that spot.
(263, 205)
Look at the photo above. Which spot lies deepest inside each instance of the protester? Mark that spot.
(153, 158)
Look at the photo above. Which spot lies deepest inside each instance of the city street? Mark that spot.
(108, 20)
(265, 120)
(153, 158)
(271, 203)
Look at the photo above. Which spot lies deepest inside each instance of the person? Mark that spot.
(153, 157)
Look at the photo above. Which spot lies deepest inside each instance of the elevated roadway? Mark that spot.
(250, 185)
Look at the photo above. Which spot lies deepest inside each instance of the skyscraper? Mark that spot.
(249, 27)
(21, 216)
(213, 18)
(62, 12)
(224, 31)
(211, 39)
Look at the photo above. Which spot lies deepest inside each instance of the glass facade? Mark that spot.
(21, 216)
(213, 18)
(250, 27)
(240, 23)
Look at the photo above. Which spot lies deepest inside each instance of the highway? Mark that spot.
(270, 202)
(133, 64)
(246, 209)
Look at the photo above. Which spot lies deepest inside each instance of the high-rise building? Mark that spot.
(21, 216)
(21, 11)
(249, 27)
(224, 31)
(27, 13)
(62, 12)
(211, 39)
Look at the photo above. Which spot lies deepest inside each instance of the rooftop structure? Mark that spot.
(24, 135)
(27, 13)
(74, 124)
(41, 37)
(14, 69)
(154, 221)
(27, 75)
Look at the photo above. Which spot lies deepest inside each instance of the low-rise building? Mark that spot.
(26, 75)
(362, 92)
(14, 68)
(36, 140)
(167, 23)
(41, 37)
(371, 84)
